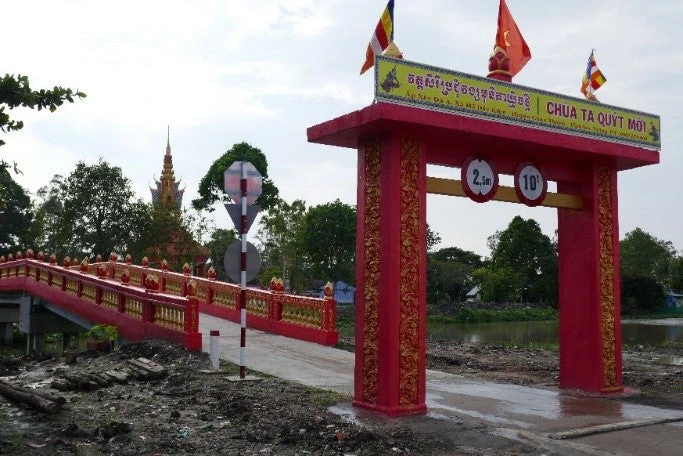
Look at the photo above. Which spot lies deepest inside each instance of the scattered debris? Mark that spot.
(149, 398)
(93, 379)
(37, 400)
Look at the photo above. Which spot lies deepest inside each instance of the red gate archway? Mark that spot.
(444, 120)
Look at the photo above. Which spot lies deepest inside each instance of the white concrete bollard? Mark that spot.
(214, 349)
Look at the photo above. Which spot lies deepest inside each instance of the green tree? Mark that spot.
(640, 294)
(92, 211)
(648, 267)
(211, 186)
(219, 242)
(16, 92)
(15, 215)
(449, 273)
(454, 254)
(677, 275)
(282, 250)
(166, 233)
(644, 255)
(46, 228)
(433, 239)
(524, 249)
(500, 284)
(329, 239)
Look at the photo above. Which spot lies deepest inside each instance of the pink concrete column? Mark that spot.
(590, 321)
(391, 276)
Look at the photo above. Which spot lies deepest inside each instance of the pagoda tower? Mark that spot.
(167, 192)
(175, 242)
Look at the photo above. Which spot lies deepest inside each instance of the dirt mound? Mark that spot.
(187, 412)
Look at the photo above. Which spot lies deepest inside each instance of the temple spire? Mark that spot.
(168, 140)
(167, 192)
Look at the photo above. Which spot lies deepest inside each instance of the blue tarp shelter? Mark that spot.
(344, 293)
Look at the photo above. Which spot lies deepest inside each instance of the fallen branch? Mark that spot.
(24, 396)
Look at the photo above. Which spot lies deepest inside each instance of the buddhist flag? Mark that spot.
(593, 78)
(383, 36)
(511, 40)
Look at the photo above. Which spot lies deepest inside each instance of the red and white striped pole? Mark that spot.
(243, 274)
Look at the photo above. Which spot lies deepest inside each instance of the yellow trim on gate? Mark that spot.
(452, 187)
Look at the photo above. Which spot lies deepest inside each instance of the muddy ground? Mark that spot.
(655, 372)
(187, 412)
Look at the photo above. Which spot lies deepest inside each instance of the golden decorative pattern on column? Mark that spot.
(409, 343)
(606, 227)
(371, 271)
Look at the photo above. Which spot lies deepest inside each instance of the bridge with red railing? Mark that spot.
(143, 302)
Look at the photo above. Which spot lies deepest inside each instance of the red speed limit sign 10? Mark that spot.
(530, 184)
(479, 179)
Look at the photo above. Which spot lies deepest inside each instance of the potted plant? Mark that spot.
(101, 337)
(71, 348)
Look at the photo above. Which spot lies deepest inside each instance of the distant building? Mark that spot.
(167, 192)
(473, 295)
(344, 293)
(674, 300)
(179, 246)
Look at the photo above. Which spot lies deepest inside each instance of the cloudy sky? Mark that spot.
(222, 71)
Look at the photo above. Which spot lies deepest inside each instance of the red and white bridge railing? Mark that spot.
(137, 312)
(300, 317)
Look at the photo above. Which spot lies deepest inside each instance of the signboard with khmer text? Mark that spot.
(415, 84)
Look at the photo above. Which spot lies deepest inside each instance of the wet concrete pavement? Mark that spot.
(554, 421)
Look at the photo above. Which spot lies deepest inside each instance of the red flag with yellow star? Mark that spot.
(511, 40)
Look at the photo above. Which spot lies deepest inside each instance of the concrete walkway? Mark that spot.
(567, 423)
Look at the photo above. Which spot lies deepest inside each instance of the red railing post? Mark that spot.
(211, 275)
(112, 264)
(143, 275)
(164, 270)
(29, 256)
(277, 288)
(332, 315)
(66, 263)
(193, 339)
(192, 315)
(186, 274)
(18, 266)
(12, 269)
(148, 308)
(330, 308)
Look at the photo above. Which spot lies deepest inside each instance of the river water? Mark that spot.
(634, 332)
(524, 333)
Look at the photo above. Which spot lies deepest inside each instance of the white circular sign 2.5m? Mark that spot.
(479, 179)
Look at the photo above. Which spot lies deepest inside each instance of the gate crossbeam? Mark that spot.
(452, 187)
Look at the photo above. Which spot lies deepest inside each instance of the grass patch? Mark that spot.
(655, 314)
(326, 398)
(12, 352)
(494, 316)
(667, 344)
(345, 316)
(552, 346)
